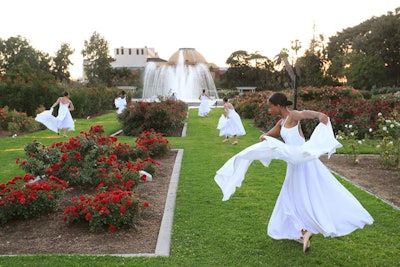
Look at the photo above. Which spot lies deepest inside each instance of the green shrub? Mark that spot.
(162, 117)
(17, 122)
(389, 135)
(249, 104)
(327, 92)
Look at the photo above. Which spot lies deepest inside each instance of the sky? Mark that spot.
(215, 28)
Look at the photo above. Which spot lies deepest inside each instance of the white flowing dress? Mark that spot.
(311, 198)
(232, 126)
(62, 121)
(205, 106)
(120, 104)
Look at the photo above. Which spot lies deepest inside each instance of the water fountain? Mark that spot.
(186, 74)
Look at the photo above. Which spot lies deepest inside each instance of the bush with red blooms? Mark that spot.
(17, 122)
(344, 106)
(27, 197)
(152, 142)
(114, 209)
(81, 160)
(164, 117)
(112, 168)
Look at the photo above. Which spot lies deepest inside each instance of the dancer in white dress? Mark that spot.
(311, 200)
(230, 125)
(120, 102)
(205, 104)
(63, 120)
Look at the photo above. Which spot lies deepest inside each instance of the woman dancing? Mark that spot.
(311, 200)
(205, 104)
(230, 125)
(63, 120)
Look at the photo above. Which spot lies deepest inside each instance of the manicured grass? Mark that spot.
(209, 232)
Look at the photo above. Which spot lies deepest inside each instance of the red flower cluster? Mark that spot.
(113, 209)
(153, 142)
(26, 197)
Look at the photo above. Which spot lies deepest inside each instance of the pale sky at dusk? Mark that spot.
(214, 28)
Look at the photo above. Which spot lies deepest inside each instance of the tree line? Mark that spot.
(365, 56)
(19, 58)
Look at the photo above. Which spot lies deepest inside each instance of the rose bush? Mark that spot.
(79, 161)
(27, 197)
(345, 106)
(16, 122)
(389, 146)
(353, 143)
(152, 142)
(112, 209)
(90, 160)
(163, 117)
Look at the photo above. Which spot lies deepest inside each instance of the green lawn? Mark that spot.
(209, 232)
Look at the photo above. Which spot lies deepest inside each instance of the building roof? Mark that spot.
(190, 55)
(155, 59)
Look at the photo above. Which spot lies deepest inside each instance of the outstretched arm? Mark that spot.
(310, 114)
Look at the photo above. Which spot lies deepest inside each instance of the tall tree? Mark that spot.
(124, 76)
(364, 70)
(97, 60)
(18, 56)
(61, 63)
(279, 59)
(239, 66)
(355, 49)
(312, 65)
(238, 58)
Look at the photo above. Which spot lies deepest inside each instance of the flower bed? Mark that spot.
(90, 160)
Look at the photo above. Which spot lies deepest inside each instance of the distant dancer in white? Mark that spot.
(64, 118)
(205, 104)
(230, 124)
(311, 200)
(120, 102)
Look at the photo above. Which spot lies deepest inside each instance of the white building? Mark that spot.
(134, 58)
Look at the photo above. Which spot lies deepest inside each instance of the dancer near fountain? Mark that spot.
(173, 97)
(120, 102)
(230, 125)
(205, 104)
